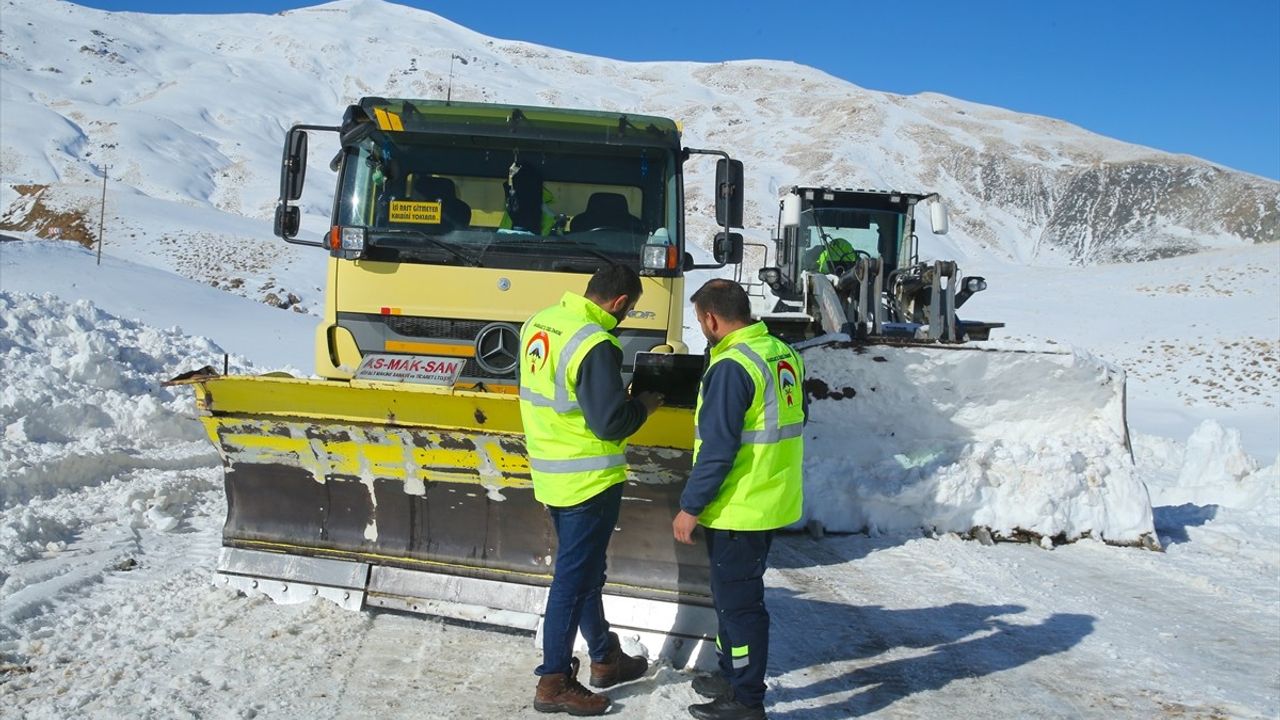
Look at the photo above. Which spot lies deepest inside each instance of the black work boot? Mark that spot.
(561, 692)
(711, 686)
(726, 708)
(617, 667)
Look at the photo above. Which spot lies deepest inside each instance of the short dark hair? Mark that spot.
(613, 281)
(725, 298)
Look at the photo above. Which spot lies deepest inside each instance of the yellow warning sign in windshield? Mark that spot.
(406, 211)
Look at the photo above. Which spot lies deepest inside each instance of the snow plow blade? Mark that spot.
(1005, 440)
(419, 498)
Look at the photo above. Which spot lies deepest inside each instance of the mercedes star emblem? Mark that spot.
(497, 348)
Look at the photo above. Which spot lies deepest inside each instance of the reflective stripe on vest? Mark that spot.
(602, 462)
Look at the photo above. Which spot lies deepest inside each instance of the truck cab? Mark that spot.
(453, 222)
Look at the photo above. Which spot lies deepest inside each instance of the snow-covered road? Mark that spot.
(124, 622)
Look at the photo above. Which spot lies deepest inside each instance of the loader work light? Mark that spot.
(975, 284)
(771, 276)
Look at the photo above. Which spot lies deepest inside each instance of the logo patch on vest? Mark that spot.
(535, 351)
(787, 381)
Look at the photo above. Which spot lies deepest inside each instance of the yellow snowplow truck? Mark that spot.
(400, 478)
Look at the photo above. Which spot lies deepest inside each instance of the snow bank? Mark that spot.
(82, 402)
(1211, 499)
(1216, 470)
(1210, 468)
(1016, 442)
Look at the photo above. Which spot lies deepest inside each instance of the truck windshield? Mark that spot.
(876, 233)
(452, 200)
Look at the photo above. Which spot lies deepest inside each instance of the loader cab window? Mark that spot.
(462, 200)
(831, 239)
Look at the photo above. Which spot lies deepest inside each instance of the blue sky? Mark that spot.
(1189, 77)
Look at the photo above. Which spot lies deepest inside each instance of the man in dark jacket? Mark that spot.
(748, 456)
(576, 417)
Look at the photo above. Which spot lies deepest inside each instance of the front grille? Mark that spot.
(442, 328)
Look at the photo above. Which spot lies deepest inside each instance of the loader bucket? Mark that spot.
(419, 498)
(1017, 441)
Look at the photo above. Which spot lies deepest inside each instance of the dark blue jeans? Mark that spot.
(573, 604)
(738, 560)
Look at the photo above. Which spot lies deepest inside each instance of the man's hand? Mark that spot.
(683, 527)
(651, 401)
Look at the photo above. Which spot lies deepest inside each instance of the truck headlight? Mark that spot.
(658, 257)
(347, 242)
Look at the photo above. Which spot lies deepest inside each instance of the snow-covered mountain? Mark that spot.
(191, 112)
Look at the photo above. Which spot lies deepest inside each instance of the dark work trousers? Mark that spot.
(738, 559)
(573, 603)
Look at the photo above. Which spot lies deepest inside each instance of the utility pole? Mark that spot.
(449, 93)
(102, 212)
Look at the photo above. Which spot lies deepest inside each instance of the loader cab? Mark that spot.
(826, 230)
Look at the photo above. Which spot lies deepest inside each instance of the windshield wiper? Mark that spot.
(419, 235)
(562, 241)
(822, 235)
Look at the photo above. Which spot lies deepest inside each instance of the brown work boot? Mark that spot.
(562, 692)
(617, 667)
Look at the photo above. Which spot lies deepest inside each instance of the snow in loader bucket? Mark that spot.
(419, 498)
(994, 440)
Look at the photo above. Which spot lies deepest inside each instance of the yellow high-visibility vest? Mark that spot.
(764, 489)
(840, 251)
(569, 464)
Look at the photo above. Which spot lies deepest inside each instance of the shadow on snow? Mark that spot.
(1172, 521)
(843, 633)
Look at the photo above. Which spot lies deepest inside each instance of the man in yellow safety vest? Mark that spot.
(746, 482)
(577, 417)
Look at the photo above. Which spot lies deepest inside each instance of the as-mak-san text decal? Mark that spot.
(411, 368)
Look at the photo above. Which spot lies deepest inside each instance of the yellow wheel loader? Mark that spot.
(848, 262)
(916, 390)
(399, 479)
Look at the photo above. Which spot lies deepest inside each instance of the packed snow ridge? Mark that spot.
(82, 399)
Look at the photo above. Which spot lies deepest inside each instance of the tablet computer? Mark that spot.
(675, 376)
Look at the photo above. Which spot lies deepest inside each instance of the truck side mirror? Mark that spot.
(288, 218)
(295, 164)
(938, 216)
(727, 249)
(729, 193)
